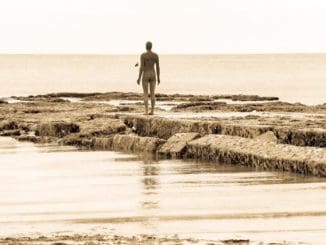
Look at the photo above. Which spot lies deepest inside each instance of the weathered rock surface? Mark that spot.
(242, 97)
(176, 146)
(56, 129)
(136, 143)
(256, 153)
(278, 106)
(102, 143)
(102, 127)
(165, 128)
(93, 133)
(76, 139)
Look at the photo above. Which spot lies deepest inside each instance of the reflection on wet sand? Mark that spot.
(150, 191)
(151, 184)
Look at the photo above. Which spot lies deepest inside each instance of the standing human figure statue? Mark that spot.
(148, 60)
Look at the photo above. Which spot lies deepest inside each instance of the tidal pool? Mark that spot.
(48, 189)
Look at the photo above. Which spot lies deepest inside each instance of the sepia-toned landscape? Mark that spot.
(162, 122)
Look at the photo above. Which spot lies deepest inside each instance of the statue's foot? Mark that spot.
(151, 113)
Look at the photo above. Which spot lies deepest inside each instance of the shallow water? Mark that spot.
(46, 189)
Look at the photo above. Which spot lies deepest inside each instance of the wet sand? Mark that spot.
(56, 193)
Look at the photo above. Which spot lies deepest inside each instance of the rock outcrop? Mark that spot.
(285, 141)
(256, 153)
(165, 128)
(139, 96)
(278, 106)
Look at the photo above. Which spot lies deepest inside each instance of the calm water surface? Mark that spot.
(292, 77)
(46, 189)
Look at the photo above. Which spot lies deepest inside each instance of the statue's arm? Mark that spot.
(158, 70)
(140, 68)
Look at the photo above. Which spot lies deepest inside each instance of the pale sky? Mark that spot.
(174, 26)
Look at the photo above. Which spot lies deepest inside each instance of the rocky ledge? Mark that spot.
(293, 141)
(57, 97)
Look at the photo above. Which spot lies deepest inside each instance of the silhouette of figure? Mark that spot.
(147, 72)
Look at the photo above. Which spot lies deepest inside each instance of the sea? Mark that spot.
(292, 77)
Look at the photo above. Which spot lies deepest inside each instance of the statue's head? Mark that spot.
(149, 46)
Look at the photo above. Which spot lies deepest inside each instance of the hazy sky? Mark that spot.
(174, 26)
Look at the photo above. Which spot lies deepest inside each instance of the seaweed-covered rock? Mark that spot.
(200, 98)
(258, 153)
(76, 139)
(29, 138)
(165, 128)
(242, 97)
(13, 132)
(301, 137)
(102, 127)
(8, 125)
(136, 143)
(102, 143)
(56, 129)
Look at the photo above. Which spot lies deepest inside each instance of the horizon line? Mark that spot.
(132, 54)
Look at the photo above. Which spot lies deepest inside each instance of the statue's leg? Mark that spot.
(145, 88)
(152, 86)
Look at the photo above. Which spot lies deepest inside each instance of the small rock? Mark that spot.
(29, 138)
(3, 101)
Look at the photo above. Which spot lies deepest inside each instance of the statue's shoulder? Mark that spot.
(143, 55)
(155, 55)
